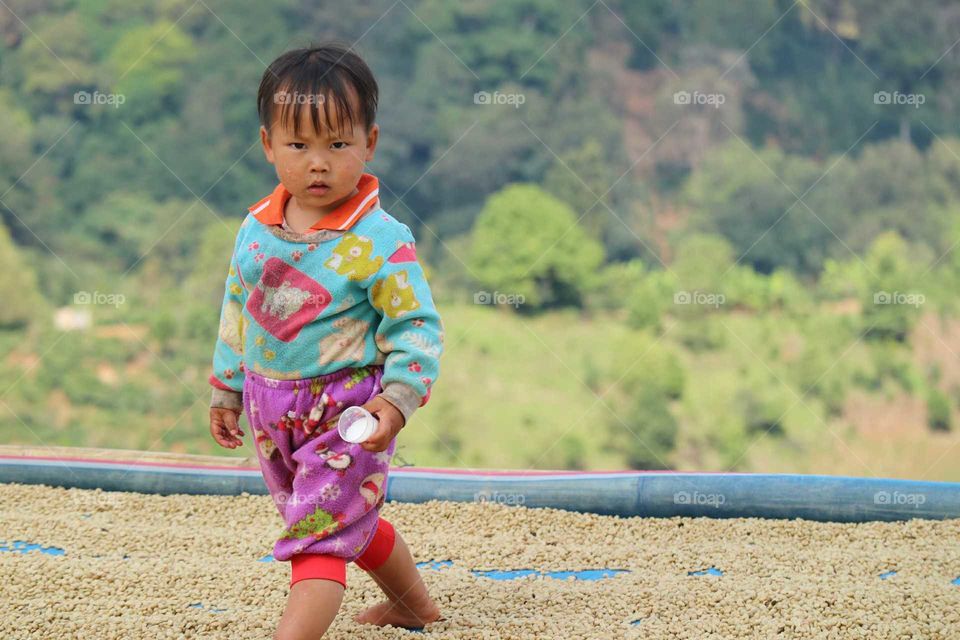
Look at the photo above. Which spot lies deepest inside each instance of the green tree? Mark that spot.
(582, 178)
(887, 180)
(642, 362)
(763, 406)
(645, 433)
(30, 207)
(655, 24)
(893, 297)
(527, 242)
(750, 197)
(122, 225)
(173, 239)
(18, 285)
(148, 65)
(498, 41)
(939, 416)
(68, 63)
(905, 43)
(647, 301)
(615, 285)
(702, 264)
(701, 261)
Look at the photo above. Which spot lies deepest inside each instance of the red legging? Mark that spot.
(304, 566)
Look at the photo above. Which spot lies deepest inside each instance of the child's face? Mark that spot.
(334, 157)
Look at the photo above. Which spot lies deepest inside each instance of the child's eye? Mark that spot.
(343, 143)
(295, 145)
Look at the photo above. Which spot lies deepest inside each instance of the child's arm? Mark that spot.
(228, 373)
(410, 331)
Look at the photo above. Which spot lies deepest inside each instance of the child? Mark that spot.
(326, 307)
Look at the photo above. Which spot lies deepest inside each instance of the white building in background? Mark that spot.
(72, 319)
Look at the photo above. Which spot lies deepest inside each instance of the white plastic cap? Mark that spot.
(356, 424)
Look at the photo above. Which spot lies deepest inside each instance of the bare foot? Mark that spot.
(398, 615)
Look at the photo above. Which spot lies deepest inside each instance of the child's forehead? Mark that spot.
(321, 114)
(331, 129)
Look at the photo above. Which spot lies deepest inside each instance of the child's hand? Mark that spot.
(224, 427)
(390, 423)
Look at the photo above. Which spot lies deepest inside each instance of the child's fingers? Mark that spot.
(231, 442)
(379, 440)
(233, 438)
(230, 419)
(233, 426)
(225, 438)
(220, 436)
(222, 431)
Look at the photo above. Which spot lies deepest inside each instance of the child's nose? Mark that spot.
(319, 163)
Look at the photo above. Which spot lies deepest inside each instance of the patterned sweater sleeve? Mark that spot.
(228, 372)
(410, 330)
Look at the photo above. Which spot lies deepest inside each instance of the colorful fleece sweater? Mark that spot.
(299, 305)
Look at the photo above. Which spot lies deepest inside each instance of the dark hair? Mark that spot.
(323, 73)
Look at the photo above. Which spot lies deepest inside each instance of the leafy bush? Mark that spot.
(616, 285)
(701, 334)
(842, 279)
(642, 363)
(892, 301)
(18, 286)
(645, 433)
(891, 363)
(939, 416)
(526, 242)
(763, 408)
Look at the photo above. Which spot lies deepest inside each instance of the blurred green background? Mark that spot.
(694, 235)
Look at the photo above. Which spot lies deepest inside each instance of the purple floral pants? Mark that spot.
(327, 491)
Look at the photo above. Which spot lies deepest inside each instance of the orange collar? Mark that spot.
(269, 210)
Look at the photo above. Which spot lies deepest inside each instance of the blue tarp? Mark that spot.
(628, 493)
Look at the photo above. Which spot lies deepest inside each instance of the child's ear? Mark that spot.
(372, 142)
(267, 146)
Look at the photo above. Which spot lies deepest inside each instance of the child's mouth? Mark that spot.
(318, 189)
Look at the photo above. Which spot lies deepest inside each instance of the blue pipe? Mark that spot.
(629, 493)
